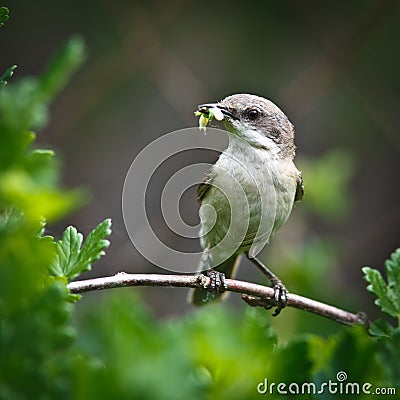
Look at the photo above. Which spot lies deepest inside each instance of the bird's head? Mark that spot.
(256, 120)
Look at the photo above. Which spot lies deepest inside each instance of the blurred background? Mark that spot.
(332, 67)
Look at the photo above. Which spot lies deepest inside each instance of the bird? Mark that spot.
(248, 194)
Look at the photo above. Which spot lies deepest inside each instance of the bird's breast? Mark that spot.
(252, 197)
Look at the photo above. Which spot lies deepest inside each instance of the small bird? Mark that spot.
(249, 193)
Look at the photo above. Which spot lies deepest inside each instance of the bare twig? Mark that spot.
(253, 294)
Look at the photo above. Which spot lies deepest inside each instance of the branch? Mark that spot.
(253, 294)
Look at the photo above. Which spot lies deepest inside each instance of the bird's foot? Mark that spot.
(280, 292)
(279, 300)
(217, 284)
(280, 297)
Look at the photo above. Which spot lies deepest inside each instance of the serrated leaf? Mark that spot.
(381, 328)
(7, 75)
(67, 251)
(392, 267)
(388, 294)
(96, 242)
(72, 259)
(378, 287)
(4, 15)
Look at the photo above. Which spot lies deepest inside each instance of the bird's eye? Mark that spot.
(253, 114)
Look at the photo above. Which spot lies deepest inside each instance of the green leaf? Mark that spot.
(61, 67)
(389, 356)
(43, 167)
(381, 328)
(4, 15)
(7, 75)
(378, 287)
(388, 294)
(349, 341)
(24, 105)
(9, 219)
(392, 267)
(36, 199)
(72, 259)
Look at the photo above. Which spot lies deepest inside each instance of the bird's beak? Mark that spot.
(224, 110)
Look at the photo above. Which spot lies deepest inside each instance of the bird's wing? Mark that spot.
(299, 188)
(205, 184)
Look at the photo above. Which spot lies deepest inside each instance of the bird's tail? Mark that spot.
(200, 297)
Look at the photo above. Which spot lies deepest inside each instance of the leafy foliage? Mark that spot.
(28, 177)
(388, 299)
(72, 259)
(214, 353)
(33, 310)
(388, 294)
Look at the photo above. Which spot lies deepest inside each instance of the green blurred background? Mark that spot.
(333, 67)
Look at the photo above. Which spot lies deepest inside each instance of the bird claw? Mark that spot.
(280, 297)
(217, 284)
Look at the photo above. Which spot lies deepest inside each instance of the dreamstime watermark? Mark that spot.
(137, 201)
(339, 386)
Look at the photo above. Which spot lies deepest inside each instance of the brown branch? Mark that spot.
(253, 294)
